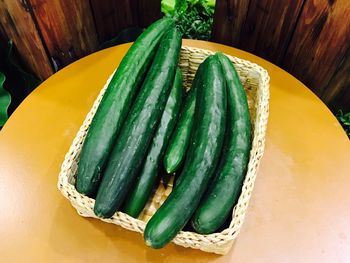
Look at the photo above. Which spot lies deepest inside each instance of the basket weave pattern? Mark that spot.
(255, 80)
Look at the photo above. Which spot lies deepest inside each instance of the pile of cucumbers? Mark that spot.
(146, 124)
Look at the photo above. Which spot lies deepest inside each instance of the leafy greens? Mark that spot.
(194, 18)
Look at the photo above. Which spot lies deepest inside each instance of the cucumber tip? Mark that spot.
(148, 242)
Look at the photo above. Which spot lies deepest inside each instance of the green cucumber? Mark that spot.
(137, 132)
(179, 141)
(146, 180)
(202, 158)
(224, 192)
(115, 105)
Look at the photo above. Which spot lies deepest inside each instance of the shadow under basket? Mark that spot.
(255, 80)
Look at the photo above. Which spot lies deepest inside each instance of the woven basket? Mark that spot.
(256, 83)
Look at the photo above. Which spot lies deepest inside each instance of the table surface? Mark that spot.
(299, 211)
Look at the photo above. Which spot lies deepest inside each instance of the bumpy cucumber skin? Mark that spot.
(139, 128)
(146, 179)
(224, 192)
(115, 105)
(179, 141)
(203, 155)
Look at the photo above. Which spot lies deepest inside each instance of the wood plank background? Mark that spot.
(308, 38)
(17, 24)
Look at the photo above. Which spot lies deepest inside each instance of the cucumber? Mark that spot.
(224, 192)
(179, 141)
(115, 105)
(141, 123)
(203, 155)
(146, 180)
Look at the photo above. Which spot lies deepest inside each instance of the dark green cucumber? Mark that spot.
(115, 105)
(224, 192)
(146, 179)
(201, 160)
(141, 123)
(179, 141)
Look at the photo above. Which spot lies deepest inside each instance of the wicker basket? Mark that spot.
(256, 83)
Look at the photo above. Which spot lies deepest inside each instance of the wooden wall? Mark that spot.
(308, 38)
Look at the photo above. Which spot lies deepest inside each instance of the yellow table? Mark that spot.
(299, 211)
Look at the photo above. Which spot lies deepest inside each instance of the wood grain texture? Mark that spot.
(113, 16)
(148, 12)
(320, 42)
(67, 28)
(17, 24)
(229, 18)
(337, 92)
(308, 38)
(269, 26)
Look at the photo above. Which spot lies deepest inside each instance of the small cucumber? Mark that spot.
(203, 155)
(115, 105)
(224, 192)
(146, 180)
(138, 130)
(179, 141)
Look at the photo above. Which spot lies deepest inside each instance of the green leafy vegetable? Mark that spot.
(5, 100)
(344, 119)
(168, 7)
(209, 6)
(194, 18)
(19, 83)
